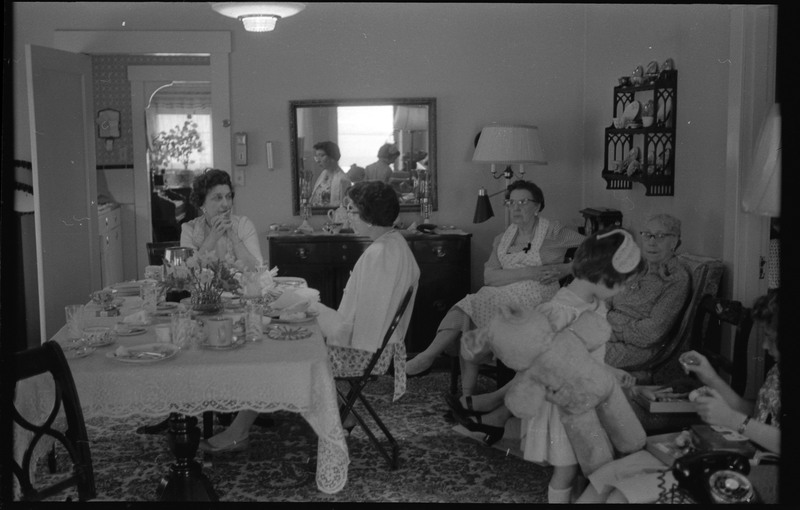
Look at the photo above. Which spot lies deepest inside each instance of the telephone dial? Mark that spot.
(715, 477)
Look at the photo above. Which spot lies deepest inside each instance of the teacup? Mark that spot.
(218, 331)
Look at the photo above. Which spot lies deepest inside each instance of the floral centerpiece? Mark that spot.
(206, 277)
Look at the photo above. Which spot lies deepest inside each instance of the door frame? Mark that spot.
(143, 80)
(214, 44)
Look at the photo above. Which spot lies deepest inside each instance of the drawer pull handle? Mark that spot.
(302, 253)
(440, 252)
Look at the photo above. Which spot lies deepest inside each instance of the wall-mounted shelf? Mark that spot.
(645, 155)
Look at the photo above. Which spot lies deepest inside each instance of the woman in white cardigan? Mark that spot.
(353, 332)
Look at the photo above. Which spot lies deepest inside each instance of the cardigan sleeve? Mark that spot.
(650, 330)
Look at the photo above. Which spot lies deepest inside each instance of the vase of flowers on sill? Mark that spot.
(206, 277)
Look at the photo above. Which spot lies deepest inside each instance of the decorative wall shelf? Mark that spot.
(646, 155)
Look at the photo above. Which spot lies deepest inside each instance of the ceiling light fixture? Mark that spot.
(258, 16)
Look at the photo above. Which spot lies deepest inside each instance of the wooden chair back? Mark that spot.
(707, 332)
(49, 358)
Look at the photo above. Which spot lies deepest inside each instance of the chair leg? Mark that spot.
(348, 408)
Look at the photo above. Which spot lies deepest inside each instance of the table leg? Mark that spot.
(185, 481)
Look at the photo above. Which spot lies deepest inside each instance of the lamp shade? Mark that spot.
(411, 118)
(763, 189)
(258, 16)
(509, 144)
(483, 209)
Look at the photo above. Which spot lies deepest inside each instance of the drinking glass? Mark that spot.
(254, 313)
(181, 323)
(74, 315)
(149, 295)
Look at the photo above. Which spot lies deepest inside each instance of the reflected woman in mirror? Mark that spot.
(331, 186)
(217, 229)
(381, 170)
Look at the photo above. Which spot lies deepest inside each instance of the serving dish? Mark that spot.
(280, 332)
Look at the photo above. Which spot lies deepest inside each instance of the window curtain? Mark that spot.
(171, 106)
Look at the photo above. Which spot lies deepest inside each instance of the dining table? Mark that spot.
(290, 372)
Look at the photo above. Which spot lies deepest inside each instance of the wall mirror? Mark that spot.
(360, 127)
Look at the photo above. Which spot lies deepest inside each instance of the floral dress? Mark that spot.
(482, 305)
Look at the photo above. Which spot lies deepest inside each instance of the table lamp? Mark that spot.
(505, 144)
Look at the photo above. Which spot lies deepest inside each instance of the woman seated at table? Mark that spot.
(379, 281)
(640, 316)
(524, 267)
(216, 229)
(636, 478)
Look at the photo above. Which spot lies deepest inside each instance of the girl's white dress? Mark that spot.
(544, 439)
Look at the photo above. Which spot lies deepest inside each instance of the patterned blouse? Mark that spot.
(768, 401)
(645, 311)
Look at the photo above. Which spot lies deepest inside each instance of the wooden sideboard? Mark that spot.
(325, 261)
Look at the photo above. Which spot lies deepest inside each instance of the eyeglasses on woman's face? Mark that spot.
(522, 202)
(658, 236)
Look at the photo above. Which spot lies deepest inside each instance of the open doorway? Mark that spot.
(179, 146)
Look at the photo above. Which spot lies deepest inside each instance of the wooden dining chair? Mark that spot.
(356, 391)
(707, 331)
(49, 358)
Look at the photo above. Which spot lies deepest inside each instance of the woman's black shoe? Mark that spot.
(493, 434)
(455, 404)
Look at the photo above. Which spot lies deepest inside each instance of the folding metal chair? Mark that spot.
(49, 358)
(358, 383)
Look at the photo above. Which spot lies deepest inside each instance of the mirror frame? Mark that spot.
(432, 162)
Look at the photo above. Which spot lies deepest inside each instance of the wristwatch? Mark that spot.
(743, 426)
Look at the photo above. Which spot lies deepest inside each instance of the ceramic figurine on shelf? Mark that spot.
(638, 75)
(652, 71)
(648, 109)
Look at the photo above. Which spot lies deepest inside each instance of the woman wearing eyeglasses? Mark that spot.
(525, 265)
(643, 314)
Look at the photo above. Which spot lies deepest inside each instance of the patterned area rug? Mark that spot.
(437, 464)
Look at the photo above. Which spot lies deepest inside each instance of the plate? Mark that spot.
(287, 333)
(632, 110)
(290, 281)
(147, 353)
(129, 330)
(238, 341)
(78, 351)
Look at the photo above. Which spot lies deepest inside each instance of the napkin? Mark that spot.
(140, 318)
(295, 300)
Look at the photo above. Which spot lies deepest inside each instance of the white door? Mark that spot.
(64, 181)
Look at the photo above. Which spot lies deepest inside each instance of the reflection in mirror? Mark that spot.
(393, 140)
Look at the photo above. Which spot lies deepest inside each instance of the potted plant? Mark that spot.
(178, 144)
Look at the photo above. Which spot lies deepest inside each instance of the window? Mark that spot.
(362, 131)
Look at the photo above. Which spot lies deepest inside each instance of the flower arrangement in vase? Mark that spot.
(206, 277)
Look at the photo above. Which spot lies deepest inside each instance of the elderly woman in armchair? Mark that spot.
(525, 265)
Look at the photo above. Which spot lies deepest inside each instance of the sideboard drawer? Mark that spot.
(347, 253)
(441, 251)
(300, 253)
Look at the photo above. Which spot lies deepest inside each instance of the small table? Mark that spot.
(264, 376)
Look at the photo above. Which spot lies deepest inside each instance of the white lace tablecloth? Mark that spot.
(264, 376)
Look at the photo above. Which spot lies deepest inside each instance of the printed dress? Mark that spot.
(482, 305)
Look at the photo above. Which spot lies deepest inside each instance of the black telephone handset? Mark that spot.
(694, 472)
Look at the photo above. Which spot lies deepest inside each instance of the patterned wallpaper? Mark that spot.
(112, 90)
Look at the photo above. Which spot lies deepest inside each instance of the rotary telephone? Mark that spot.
(694, 471)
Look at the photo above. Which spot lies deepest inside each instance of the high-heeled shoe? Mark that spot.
(455, 404)
(418, 374)
(493, 434)
(235, 446)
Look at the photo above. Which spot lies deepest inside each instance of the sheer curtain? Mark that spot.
(170, 107)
